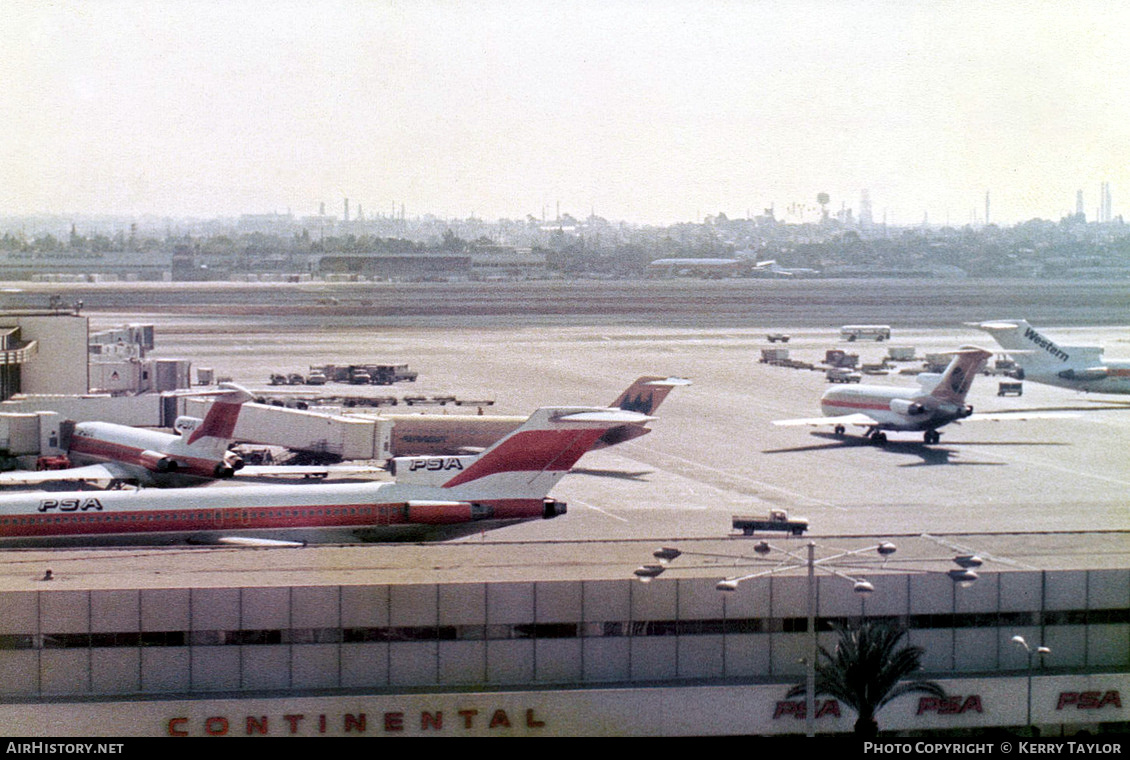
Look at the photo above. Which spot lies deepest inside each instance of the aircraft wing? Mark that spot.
(89, 473)
(1017, 416)
(307, 471)
(257, 543)
(844, 419)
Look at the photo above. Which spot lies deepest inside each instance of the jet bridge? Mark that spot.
(350, 438)
(31, 423)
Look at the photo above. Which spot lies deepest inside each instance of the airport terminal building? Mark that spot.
(552, 639)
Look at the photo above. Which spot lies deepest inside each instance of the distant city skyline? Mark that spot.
(649, 113)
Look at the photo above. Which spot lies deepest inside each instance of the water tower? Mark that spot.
(822, 199)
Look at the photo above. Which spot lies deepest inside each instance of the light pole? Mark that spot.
(963, 576)
(859, 585)
(1019, 641)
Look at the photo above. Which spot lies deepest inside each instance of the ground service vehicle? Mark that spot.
(1010, 389)
(387, 374)
(842, 375)
(865, 332)
(777, 519)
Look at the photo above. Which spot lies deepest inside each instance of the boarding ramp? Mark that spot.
(347, 437)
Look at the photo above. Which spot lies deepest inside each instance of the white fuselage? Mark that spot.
(891, 408)
(328, 512)
(1106, 377)
(155, 457)
(1042, 360)
(509, 482)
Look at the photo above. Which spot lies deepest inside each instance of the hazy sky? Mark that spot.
(650, 111)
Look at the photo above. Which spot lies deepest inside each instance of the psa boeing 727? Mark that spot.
(432, 497)
(938, 401)
(1042, 360)
(106, 451)
(109, 453)
(419, 434)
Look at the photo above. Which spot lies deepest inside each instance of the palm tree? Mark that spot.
(867, 670)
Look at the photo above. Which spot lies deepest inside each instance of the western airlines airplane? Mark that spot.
(432, 497)
(443, 434)
(1043, 361)
(938, 401)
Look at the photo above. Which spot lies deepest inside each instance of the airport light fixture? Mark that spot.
(1041, 650)
(835, 565)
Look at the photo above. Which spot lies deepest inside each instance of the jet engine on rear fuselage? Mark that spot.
(910, 408)
(157, 462)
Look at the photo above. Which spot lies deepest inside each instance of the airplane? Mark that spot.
(437, 434)
(773, 268)
(196, 454)
(938, 401)
(430, 498)
(1041, 360)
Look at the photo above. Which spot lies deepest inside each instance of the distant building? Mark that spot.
(405, 267)
(85, 266)
(502, 262)
(43, 353)
(268, 224)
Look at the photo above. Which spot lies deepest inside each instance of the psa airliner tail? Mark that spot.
(431, 497)
(643, 396)
(938, 401)
(452, 434)
(1042, 360)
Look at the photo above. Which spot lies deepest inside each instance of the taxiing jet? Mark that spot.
(938, 401)
(435, 434)
(431, 497)
(1041, 360)
(109, 452)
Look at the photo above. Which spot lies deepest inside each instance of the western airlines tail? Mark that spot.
(1035, 352)
(525, 464)
(958, 376)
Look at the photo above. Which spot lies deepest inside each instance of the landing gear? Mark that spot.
(877, 437)
(932, 436)
(839, 430)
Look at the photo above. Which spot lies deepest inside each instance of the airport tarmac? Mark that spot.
(1038, 494)
(1042, 495)
(714, 451)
